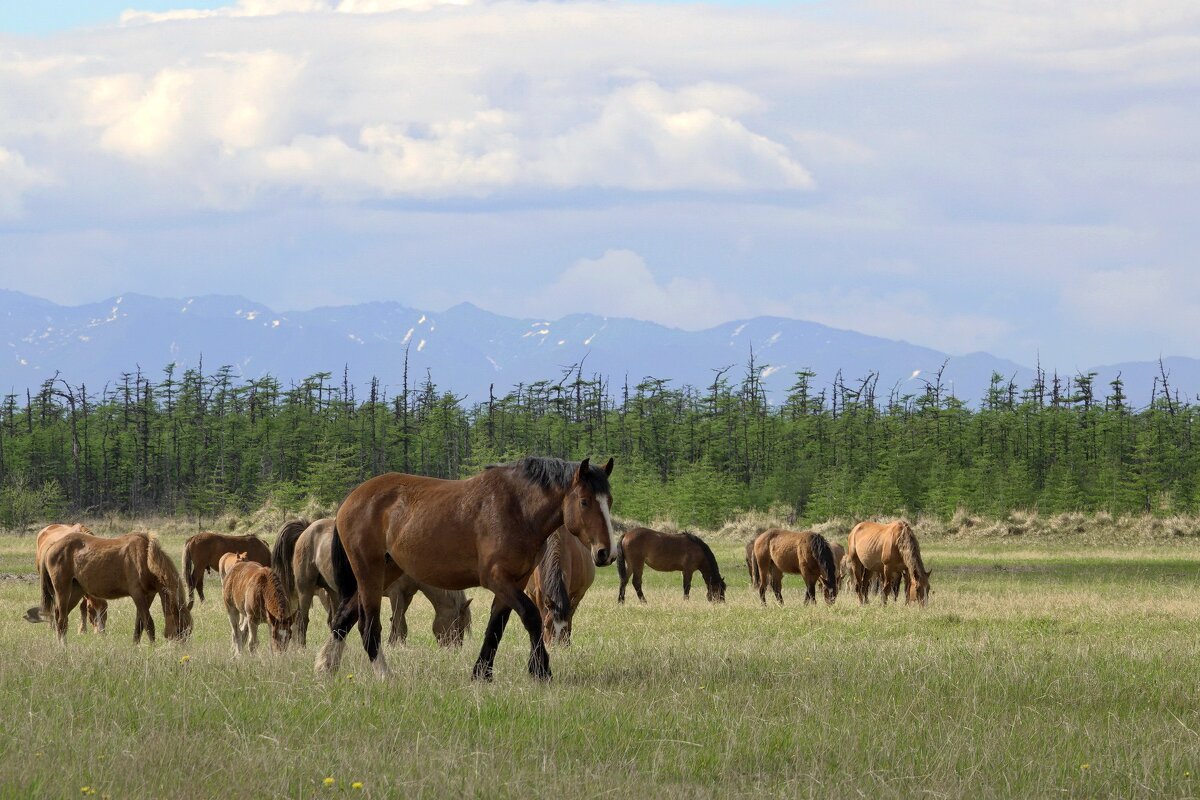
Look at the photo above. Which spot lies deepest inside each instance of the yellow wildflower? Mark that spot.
(328, 781)
(1085, 766)
(184, 659)
(356, 785)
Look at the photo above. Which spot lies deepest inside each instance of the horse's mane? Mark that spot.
(163, 568)
(910, 550)
(709, 558)
(550, 569)
(271, 596)
(824, 555)
(556, 473)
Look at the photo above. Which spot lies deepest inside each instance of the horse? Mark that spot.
(203, 552)
(226, 563)
(133, 566)
(796, 552)
(486, 531)
(282, 556)
(889, 551)
(840, 563)
(668, 552)
(751, 564)
(253, 595)
(558, 584)
(93, 609)
(311, 574)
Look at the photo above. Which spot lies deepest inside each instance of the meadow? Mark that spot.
(1040, 668)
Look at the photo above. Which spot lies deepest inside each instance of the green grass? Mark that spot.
(1029, 664)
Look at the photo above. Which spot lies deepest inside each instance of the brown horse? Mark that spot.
(795, 552)
(668, 552)
(751, 563)
(311, 574)
(133, 566)
(484, 531)
(93, 610)
(841, 565)
(227, 562)
(888, 552)
(203, 552)
(253, 595)
(558, 584)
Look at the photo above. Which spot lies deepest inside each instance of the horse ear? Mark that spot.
(467, 604)
(189, 605)
(582, 473)
(608, 467)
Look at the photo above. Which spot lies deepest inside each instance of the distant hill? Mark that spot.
(466, 348)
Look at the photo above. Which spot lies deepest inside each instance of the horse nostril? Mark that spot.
(601, 557)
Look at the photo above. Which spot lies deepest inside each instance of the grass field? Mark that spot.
(1035, 671)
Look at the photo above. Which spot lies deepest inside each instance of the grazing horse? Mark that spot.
(94, 610)
(133, 566)
(253, 595)
(668, 552)
(796, 552)
(282, 557)
(558, 584)
(203, 552)
(888, 552)
(312, 575)
(841, 565)
(483, 531)
(751, 564)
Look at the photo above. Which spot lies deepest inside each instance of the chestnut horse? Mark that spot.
(840, 563)
(888, 552)
(558, 584)
(796, 552)
(483, 531)
(133, 566)
(203, 552)
(668, 552)
(253, 595)
(226, 563)
(93, 609)
(751, 564)
(311, 574)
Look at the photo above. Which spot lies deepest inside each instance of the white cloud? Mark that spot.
(16, 178)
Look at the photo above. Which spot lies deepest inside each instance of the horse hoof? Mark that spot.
(482, 672)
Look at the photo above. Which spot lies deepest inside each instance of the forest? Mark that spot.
(202, 443)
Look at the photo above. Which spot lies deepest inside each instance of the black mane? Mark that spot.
(709, 558)
(556, 473)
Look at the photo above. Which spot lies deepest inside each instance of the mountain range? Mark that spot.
(466, 349)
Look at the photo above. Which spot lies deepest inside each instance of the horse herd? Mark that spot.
(531, 531)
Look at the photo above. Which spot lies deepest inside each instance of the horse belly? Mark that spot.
(443, 561)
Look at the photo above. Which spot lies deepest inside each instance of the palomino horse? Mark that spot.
(203, 552)
(668, 552)
(93, 610)
(796, 552)
(888, 551)
(558, 584)
(133, 566)
(484, 531)
(312, 576)
(253, 595)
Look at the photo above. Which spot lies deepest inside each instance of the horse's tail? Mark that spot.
(910, 550)
(47, 606)
(752, 562)
(187, 568)
(619, 557)
(283, 552)
(343, 573)
(821, 551)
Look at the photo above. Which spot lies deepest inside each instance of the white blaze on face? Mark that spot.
(604, 501)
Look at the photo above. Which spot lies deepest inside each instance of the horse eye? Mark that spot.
(583, 502)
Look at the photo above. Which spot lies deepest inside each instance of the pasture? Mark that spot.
(1036, 670)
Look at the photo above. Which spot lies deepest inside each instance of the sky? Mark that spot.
(1020, 177)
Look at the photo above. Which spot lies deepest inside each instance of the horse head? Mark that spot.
(556, 623)
(586, 511)
(178, 624)
(918, 588)
(716, 591)
(452, 623)
(281, 630)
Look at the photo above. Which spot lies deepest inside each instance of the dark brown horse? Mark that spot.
(133, 566)
(203, 552)
(667, 552)
(558, 584)
(484, 531)
(282, 556)
(93, 609)
(805, 553)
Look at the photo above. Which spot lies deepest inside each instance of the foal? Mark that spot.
(253, 595)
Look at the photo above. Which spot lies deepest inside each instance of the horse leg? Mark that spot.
(624, 574)
(235, 623)
(198, 580)
(339, 627)
(637, 582)
(400, 601)
(64, 601)
(304, 606)
(810, 590)
(510, 597)
(885, 585)
(687, 585)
